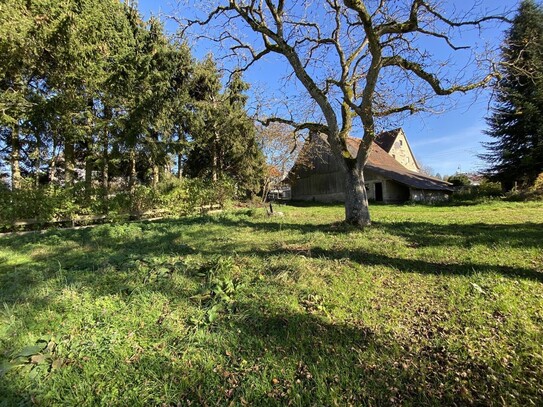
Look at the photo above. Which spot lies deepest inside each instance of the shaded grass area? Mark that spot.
(429, 306)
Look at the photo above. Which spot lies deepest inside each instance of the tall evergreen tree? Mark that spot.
(224, 136)
(156, 93)
(516, 123)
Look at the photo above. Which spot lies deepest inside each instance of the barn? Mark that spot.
(392, 173)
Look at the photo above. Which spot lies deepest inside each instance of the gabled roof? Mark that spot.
(383, 163)
(386, 139)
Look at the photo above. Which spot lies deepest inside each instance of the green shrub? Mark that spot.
(174, 194)
(53, 202)
(205, 193)
(143, 198)
(490, 189)
(43, 204)
(532, 193)
(459, 180)
(486, 191)
(538, 185)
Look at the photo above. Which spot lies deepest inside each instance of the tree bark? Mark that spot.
(14, 158)
(52, 171)
(180, 166)
(37, 163)
(88, 173)
(181, 140)
(356, 199)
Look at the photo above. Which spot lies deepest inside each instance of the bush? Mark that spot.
(533, 193)
(490, 189)
(142, 199)
(538, 184)
(53, 203)
(459, 180)
(42, 204)
(205, 193)
(483, 192)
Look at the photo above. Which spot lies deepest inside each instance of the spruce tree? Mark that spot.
(516, 124)
(223, 135)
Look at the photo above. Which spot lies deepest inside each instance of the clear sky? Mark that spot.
(446, 142)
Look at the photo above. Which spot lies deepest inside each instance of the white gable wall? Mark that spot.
(402, 153)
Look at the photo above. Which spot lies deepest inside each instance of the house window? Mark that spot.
(401, 142)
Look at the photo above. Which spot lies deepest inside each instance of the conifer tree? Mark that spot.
(224, 136)
(516, 124)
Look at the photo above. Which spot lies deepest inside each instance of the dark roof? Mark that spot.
(383, 163)
(385, 140)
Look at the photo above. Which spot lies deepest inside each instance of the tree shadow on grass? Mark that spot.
(418, 233)
(367, 258)
(99, 254)
(306, 358)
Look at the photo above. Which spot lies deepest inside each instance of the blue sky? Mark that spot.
(446, 142)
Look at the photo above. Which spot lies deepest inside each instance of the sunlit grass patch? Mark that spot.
(431, 305)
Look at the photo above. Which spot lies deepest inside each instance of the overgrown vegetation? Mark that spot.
(485, 191)
(35, 207)
(97, 100)
(430, 306)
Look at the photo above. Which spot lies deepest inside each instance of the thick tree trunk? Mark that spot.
(37, 163)
(356, 199)
(14, 159)
(154, 160)
(69, 164)
(52, 177)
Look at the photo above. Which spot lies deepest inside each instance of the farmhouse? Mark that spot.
(392, 173)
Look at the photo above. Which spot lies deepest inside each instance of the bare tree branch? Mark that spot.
(315, 127)
(350, 56)
(433, 80)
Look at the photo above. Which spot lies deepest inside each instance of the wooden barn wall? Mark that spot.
(321, 185)
(324, 181)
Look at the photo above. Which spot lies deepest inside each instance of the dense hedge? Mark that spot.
(46, 204)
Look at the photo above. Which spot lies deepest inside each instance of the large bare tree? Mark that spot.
(358, 61)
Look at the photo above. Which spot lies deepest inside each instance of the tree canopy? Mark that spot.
(90, 91)
(516, 123)
(358, 61)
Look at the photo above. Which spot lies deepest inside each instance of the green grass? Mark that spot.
(429, 306)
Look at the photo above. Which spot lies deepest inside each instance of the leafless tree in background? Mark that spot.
(280, 145)
(358, 61)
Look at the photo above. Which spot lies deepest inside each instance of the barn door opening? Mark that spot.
(379, 192)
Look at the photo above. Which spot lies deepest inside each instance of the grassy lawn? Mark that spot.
(430, 306)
